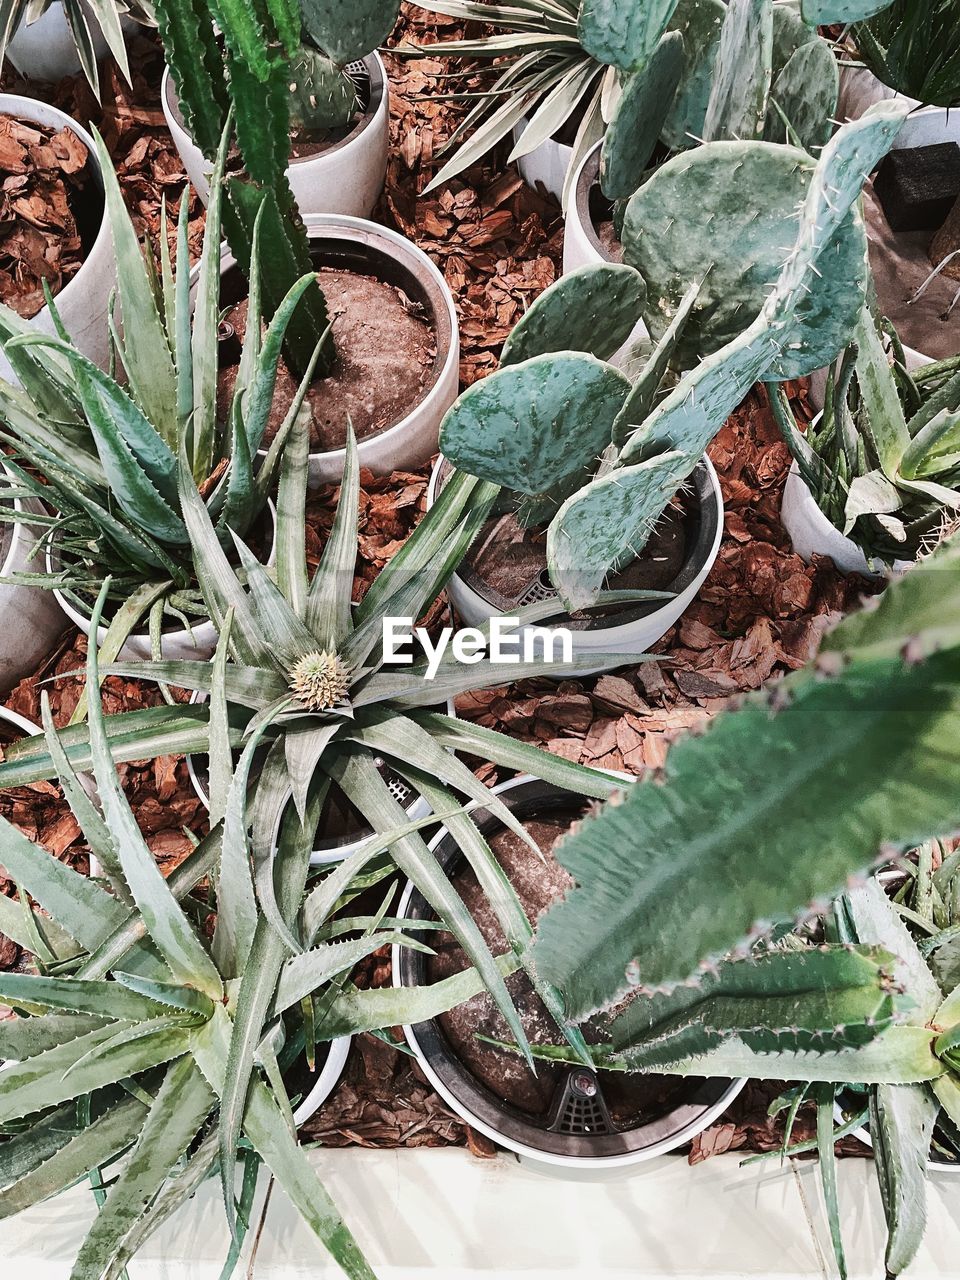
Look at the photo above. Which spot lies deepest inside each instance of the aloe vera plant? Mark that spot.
(914, 47)
(883, 460)
(676, 73)
(104, 448)
(285, 67)
(105, 15)
(151, 995)
(599, 455)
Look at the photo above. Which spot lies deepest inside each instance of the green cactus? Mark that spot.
(347, 30)
(592, 309)
(533, 425)
(806, 83)
(825, 12)
(700, 23)
(824, 774)
(621, 33)
(322, 96)
(742, 75)
(635, 128)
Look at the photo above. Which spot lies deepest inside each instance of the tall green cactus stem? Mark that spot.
(622, 33)
(633, 132)
(347, 30)
(254, 36)
(533, 425)
(592, 309)
(741, 84)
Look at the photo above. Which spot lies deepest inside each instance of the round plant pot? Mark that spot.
(198, 644)
(46, 50)
(812, 533)
(335, 848)
(318, 1085)
(30, 618)
(352, 245)
(630, 629)
(345, 177)
(579, 1118)
(83, 301)
(545, 167)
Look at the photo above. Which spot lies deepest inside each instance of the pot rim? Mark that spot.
(376, 105)
(585, 179)
(203, 632)
(16, 527)
(20, 106)
(720, 1093)
(701, 555)
(371, 237)
(327, 1079)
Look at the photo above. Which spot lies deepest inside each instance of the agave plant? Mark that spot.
(670, 73)
(883, 460)
(103, 448)
(106, 15)
(151, 995)
(914, 47)
(599, 454)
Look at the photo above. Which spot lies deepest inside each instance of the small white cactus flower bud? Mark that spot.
(319, 680)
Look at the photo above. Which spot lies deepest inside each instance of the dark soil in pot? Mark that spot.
(51, 210)
(562, 1110)
(386, 352)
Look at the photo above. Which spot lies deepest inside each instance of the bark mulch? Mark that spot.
(760, 614)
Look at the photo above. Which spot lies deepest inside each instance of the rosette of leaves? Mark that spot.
(102, 449)
(151, 995)
(883, 459)
(914, 47)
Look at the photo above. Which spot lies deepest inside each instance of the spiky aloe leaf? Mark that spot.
(532, 425)
(592, 309)
(844, 762)
(620, 33)
(349, 32)
(901, 1126)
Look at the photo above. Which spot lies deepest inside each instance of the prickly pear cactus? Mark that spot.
(531, 425)
(741, 82)
(806, 82)
(641, 112)
(622, 33)
(347, 30)
(322, 96)
(818, 13)
(700, 23)
(592, 309)
(691, 221)
(607, 522)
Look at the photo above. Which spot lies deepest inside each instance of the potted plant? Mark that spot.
(100, 450)
(154, 1041)
(48, 39)
(568, 1114)
(706, 934)
(338, 110)
(30, 618)
(63, 170)
(874, 478)
(539, 424)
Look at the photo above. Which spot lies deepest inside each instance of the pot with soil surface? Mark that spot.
(30, 618)
(506, 569)
(564, 1115)
(396, 370)
(338, 170)
(55, 226)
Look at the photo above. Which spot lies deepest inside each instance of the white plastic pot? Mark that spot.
(357, 245)
(812, 533)
(83, 301)
(46, 50)
(574, 1148)
(629, 638)
(198, 644)
(30, 617)
(345, 178)
(327, 1079)
(545, 167)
